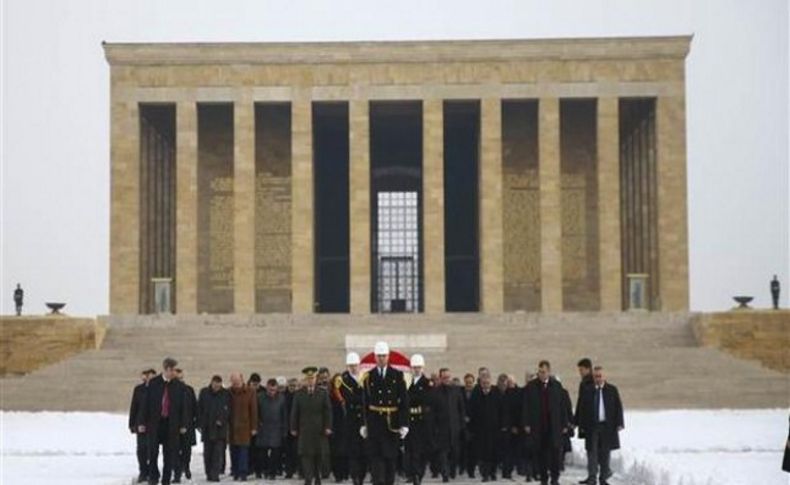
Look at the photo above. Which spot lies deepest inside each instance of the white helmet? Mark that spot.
(352, 358)
(381, 348)
(417, 360)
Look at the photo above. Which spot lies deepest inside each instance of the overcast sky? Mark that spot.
(55, 118)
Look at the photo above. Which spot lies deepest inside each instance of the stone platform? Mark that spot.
(653, 357)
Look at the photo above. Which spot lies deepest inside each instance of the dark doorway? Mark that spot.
(330, 171)
(461, 216)
(157, 200)
(396, 212)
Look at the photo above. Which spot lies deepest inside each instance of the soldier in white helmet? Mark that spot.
(420, 440)
(386, 415)
(350, 388)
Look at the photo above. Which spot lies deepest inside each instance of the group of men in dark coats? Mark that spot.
(380, 422)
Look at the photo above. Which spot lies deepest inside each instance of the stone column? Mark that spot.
(491, 240)
(433, 204)
(302, 206)
(186, 208)
(550, 204)
(359, 200)
(608, 173)
(124, 208)
(244, 205)
(673, 274)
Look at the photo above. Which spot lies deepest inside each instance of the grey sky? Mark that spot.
(55, 118)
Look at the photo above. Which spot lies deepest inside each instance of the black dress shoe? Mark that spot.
(587, 481)
(142, 478)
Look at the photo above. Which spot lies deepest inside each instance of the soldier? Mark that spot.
(351, 391)
(386, 415)
(775, 288)
(19, 296)
(311, 424)
(420, 440)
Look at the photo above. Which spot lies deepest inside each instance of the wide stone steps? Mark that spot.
(653, 358)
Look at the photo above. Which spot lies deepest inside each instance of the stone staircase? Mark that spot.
(653, 358)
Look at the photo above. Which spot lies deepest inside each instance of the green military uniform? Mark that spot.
(311, 416)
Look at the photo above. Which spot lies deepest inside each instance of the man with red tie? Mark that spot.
(165, 416)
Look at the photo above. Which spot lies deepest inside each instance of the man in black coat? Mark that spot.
(214, 423)
(585, 373)
(546, 422)
(136, 420)
(165, 417)
(514, 452)
(450, 423)
(290, 457)
(487, 423)
(188, 439)
(386, 416)
(600, 415)
(351, 391)
(466, 457)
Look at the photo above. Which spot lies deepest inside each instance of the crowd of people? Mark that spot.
(381, 422)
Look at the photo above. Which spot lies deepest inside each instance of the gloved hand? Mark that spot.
(363, 431)
(403, 432)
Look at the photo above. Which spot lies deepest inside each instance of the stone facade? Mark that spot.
(549, 209)
(762, 335)
(30, 343)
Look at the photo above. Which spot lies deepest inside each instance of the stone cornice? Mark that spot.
(605, 48)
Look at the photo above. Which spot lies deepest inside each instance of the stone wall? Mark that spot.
(762, 335)
(29, 343)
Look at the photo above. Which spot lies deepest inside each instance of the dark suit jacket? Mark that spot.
(451, 419)
(136, 407)
(613, 408)
(152, 410)
(557, 411)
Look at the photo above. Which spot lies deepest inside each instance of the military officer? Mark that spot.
(351, 390)
(420, 440)
(386, 416)
(311, 424)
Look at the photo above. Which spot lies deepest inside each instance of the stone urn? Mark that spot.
(743, 302)
(55, 307)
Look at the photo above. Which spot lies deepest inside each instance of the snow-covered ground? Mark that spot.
(710, 447)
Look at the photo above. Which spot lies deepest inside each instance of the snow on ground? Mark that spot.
(708, 447)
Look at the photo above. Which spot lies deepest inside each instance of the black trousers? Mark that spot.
(290, 458)
(467, 460)
(213, 458)
(142, 453)
(184, 456)
(382, 470)
(448, 461)
(270, 458)
(169, 453)
(414, 460)
(357, 468)
(547, 458)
